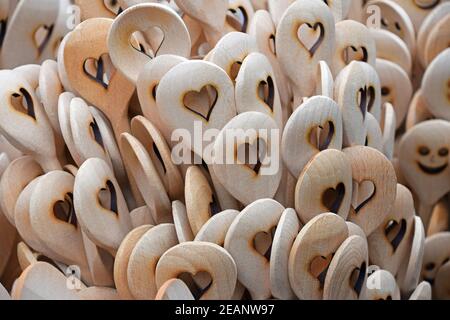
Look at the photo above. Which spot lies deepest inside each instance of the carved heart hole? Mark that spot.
(202, 103)
(263, 243)
(113, 6)
(319, 268)
(332, 198)
(311, 36)
(252, 154)
(363, 193)
(22, 102)
(65, 211)
(395, 232)
(100, 70)
(354, 54)
(148, 43)
(365, 99)
(107, 197)
(272, 44)
(266, 92)
(237, 19)
(3, 28)
(96, 134)
(42, 36)
(198, 284)
(357, 278)
(321, 136)
(234, 70)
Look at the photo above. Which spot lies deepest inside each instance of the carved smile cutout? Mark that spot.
(432, 170)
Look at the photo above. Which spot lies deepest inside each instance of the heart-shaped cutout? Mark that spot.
(332, 198)
(65, 211)
(23, 102)
(363, 193)
(148, 42)
(113, 6)
(42, 36)
(395, 232)
(201, 102)
(319, 268)
(321, 136)
(100, 70)
(357, 278)
(366, 99)
(96, 134)
(253, 154)
(198, 284)
(310, 37)
(3, 28)
(237, 19)
(352, 53)
(272, 44)
(107, 197)
(263, 243)
(266, 91)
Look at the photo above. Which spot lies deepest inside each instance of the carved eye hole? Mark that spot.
(430, 266)
(443, 152)
(424, 151)
(384, 22)
(385, 91)
(398, 27)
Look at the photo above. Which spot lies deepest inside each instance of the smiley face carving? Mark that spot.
(424, 159)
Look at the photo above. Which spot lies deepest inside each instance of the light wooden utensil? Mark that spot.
(325, 185)
(423, 156)
(122, 259)
(318, 122)
(42, 281)
(208, 99)
(396, 87)
(263, 29)
(15, 178)
(101, 208)
(353, 42)
(409, 274)
(34, 32)
(347, 273)
(145, 18)
(181, 221)
(262, 216)
(435, 86)
(200, 200)
(215, 260)
(357, 92)
(257, 89)
(96, 8)
(147, 86)
(304, 37)
(373, 191)
(22, 109)
(84, 59)
(287, 230)
(144, 257)
(390, 242)
(312, 252)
